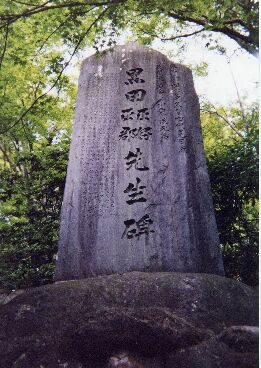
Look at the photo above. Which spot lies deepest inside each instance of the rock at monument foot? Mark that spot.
(236, 347)
(137, 194)
(164, 319)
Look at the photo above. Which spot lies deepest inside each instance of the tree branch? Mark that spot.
(10, 18)
(60, 74)
(6, 157)
(173, 37)
(215, 112)
(238, 96)
(5, 45)
(243, 40)
(23, 3)
(61, 25)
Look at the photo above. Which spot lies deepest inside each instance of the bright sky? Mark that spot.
(218, 86)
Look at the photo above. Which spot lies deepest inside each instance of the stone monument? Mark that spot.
(137, 195)
(137, 198)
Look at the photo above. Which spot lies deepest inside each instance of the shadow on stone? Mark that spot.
(163, 319)
(145, 332)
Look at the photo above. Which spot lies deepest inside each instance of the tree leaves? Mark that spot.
(39, 41)
(30, 211)
(233, 169)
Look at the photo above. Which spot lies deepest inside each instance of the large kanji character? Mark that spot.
(124, 133)
(136, 95)
(133, 160)
(143, 114)
(135, 192)
(137, 228)
(127, 114)
(134, 76)
(144, 133)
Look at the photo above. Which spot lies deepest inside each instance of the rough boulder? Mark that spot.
(163, 319)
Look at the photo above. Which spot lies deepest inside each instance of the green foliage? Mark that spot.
(35, 122)
(233, 169)
(68, 21)
(31, 202)
(39, 43)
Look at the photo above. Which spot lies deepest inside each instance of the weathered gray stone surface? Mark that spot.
(166, 319)
(137, 194)
(236, 347)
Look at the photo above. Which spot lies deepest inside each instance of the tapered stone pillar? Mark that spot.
(137, 193)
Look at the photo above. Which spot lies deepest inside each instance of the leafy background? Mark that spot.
(42, 42)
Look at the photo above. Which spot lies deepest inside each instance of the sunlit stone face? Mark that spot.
(137, 193)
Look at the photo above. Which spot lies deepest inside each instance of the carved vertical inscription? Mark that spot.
(179, 118)
(135, 190)
(161, 103)
(101, 190)
(131, 201)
